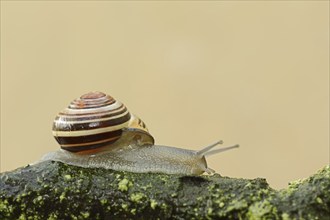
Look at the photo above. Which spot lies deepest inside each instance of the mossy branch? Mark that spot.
(52, 190)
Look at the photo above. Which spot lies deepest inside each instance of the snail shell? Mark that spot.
(98, 131)
(96, 120)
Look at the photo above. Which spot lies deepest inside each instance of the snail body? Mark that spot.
(96, 131)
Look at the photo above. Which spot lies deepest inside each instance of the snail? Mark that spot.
(98, 131)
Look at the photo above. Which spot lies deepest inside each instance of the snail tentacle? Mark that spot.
(207, 148)
(207, 151)
(212, 152)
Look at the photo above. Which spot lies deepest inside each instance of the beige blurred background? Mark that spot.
(253, 73)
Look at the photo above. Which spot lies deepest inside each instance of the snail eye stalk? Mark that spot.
(207, 151)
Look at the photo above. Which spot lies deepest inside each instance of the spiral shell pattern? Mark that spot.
(91, 121)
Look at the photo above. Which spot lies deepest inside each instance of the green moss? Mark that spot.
(52, 190)
(73, 217)
(103, 201)
(3, 205)
(85, 215)
(52, 216)
(133, 211)
(285, 216)
(209, 211)
(124, 206)
(262, 210)
(153, 203)
(67, 177)
(62, 197)
(123, 185)
(22, 217)
(137, 197)
(319, 200)
(173, 195)
(237, 205)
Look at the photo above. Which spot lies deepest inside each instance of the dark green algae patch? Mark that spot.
(53, 190)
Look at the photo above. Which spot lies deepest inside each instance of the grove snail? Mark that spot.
(98, 131)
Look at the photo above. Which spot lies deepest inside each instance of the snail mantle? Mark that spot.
(54, 190)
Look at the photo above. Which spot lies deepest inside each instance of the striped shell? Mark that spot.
(95, 121)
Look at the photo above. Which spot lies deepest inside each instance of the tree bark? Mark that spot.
(53, 190)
